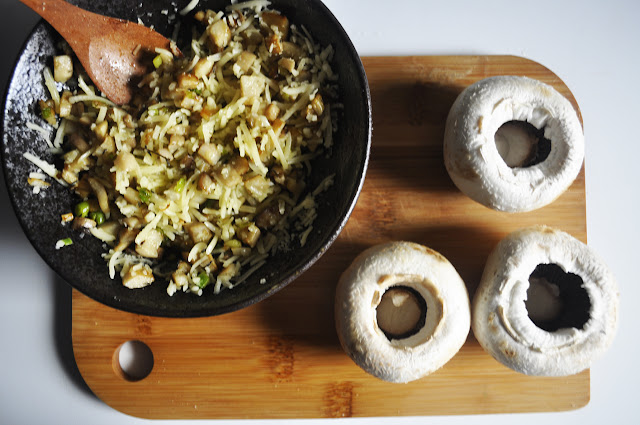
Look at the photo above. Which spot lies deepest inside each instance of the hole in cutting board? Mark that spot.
(133, 360)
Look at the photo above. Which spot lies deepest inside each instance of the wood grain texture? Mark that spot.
(281, 358)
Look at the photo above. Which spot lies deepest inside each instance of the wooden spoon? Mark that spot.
(112, 51)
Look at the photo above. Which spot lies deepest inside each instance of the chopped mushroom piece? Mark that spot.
(291, 50)
(78, 141)
(245, 60)
(277, 23)
(219, 35)
(239, 164)
(125, 161)
(227, 175)
(150, 247)
(249, 234)
(47, 111)
(188, 81)
(317, 104)
(126, 237)
(199, 232)
(258, 187)
(101, 194)
(210, 153)
(274, 44)
(138, 276)
(271, 112)
(62, 68)
(269, 217)
(206, 183)
(203, 67)
(101, 129)
(287, 64)
(83, 223)
(251, 86)
(65, 104)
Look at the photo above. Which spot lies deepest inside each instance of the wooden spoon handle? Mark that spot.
(73, 23)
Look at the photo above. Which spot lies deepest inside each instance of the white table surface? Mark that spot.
(593, 46)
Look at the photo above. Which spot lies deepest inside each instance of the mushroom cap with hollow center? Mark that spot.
(472, 157)
(503, 326)
(360, 306)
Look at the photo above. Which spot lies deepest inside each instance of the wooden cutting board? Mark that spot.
(281, 358)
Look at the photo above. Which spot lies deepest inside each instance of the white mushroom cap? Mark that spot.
(473, 159)
(501, 321)
(429, 274)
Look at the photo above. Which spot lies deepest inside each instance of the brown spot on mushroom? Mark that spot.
(436, 255)
(509, 352)
(376, 299)
(464, 170)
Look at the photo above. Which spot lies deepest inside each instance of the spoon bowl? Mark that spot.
(114, 52)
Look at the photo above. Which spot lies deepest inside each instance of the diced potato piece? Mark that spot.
(245, 60)
(188, 81)
(62, 68)
(251, 86)
(210, 153)
(199, 233)
(276, 22)
(258, 187)
(150, 247)
(287, 64)
(219, 34)
(249, 235)
(138, 276)
(203, 67)
(271, 112)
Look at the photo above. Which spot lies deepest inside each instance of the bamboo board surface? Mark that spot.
(281, 358)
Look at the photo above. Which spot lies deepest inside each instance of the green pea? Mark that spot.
(180, 184)
(203, 280)
(82, 209)
(98, 217)
(145, 195)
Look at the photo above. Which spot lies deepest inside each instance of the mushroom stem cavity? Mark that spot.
(521, 145)
(401, 312)
(557, 299)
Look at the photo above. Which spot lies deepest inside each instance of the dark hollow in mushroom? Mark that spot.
(522, 145)
(557, 299)
(401, 313)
